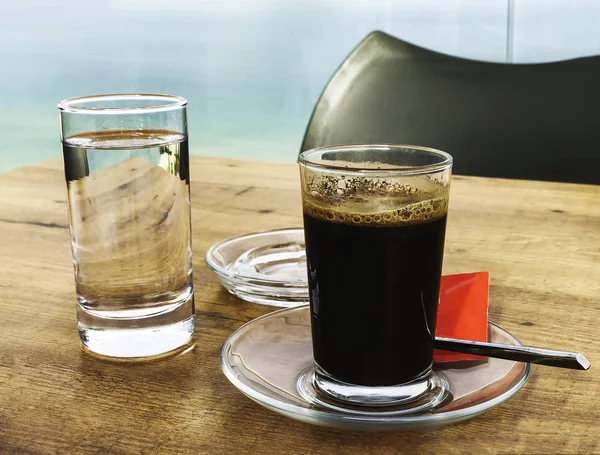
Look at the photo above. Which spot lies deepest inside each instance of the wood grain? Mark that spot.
(540, 242)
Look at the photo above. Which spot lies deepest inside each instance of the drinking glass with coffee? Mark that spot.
(374, 224)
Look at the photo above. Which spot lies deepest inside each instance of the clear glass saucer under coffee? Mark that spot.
(269, 359)
(267, 267)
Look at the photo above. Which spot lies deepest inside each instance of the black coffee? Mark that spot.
(374, 285)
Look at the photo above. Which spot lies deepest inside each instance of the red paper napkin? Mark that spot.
(462, 312)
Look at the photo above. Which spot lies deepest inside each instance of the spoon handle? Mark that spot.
(528, 354)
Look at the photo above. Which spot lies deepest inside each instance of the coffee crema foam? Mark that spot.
(412, 213)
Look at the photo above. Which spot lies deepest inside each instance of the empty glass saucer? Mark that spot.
(269, 359)
(267, 267)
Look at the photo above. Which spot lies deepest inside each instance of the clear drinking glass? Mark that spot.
(127, 170)
(374, 225)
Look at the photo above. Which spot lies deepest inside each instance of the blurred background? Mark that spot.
(252, 70)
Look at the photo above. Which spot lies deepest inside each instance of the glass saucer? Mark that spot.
(267, 267)
(269, 359)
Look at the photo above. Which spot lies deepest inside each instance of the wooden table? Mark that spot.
(540, 242)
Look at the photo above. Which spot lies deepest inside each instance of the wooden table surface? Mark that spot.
(540, 242)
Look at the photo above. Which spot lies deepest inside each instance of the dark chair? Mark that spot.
(535, 121)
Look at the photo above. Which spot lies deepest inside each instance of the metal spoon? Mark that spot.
(528, 354)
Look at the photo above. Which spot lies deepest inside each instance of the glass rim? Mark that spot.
(170, 102)
(306, 159)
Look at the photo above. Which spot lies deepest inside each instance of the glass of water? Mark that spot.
(127, 170)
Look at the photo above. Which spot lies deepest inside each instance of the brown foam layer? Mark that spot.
(411, 213)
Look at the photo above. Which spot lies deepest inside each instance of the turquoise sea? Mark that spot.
(252, 70)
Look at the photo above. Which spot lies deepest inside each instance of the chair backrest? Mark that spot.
(529, 121)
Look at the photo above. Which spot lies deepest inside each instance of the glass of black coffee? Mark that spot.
(374, 225)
